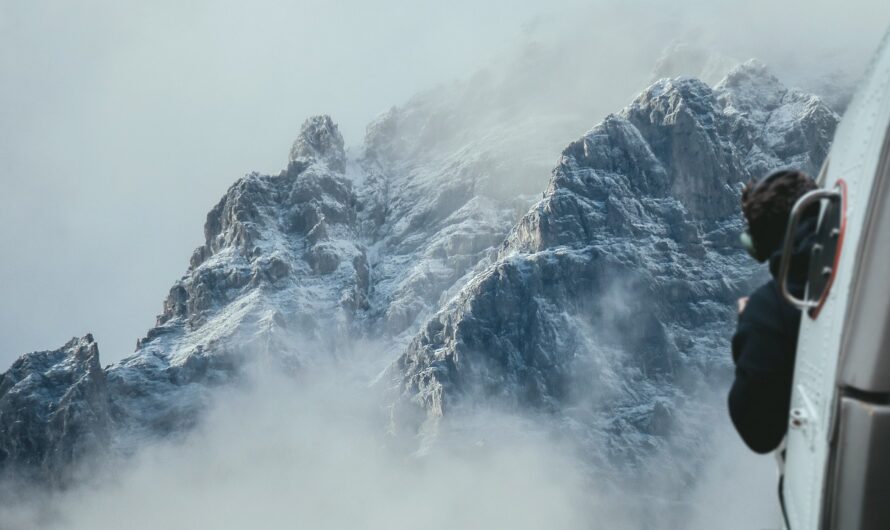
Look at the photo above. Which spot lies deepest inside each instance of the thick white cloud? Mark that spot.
(275, 453)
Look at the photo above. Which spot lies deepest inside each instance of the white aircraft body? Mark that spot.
(836, 472)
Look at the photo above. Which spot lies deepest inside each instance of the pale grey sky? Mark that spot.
(122, 123)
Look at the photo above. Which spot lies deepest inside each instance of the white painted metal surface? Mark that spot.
(854, 158)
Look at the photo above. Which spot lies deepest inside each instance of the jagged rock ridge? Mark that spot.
(612, 297)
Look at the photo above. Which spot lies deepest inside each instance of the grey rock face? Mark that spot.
(613, 295)
(54, 409)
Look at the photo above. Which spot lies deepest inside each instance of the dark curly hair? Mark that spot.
(767, 203)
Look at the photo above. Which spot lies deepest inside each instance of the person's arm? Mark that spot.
(758, 406)
(761, 393)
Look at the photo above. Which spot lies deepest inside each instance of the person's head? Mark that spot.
(766, 205)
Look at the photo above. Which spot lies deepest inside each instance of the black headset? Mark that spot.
(745, 237)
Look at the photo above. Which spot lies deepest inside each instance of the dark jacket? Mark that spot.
(763, 349)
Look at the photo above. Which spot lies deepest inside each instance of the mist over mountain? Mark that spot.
(145, 114)
(610, 302)
(437, 278)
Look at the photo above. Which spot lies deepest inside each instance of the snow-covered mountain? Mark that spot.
(428, 245)
(611, 300)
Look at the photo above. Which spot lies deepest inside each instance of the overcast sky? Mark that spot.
(122, 123)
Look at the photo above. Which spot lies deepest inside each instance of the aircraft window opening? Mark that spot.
(825, 254)
(826, 250)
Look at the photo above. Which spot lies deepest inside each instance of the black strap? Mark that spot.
(782, 501)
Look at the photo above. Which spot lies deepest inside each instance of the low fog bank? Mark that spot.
(277, 452)
(737, 489)
(283, 454)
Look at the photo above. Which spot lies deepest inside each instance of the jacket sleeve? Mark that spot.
(761, 393)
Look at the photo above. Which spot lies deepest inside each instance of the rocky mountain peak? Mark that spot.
(616, 273)
(682, 123)
(751, 87)
(82, 354)
(320, 140)
(625, 270)
(54, 408)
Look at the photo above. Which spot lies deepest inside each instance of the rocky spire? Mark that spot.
(320, 140)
